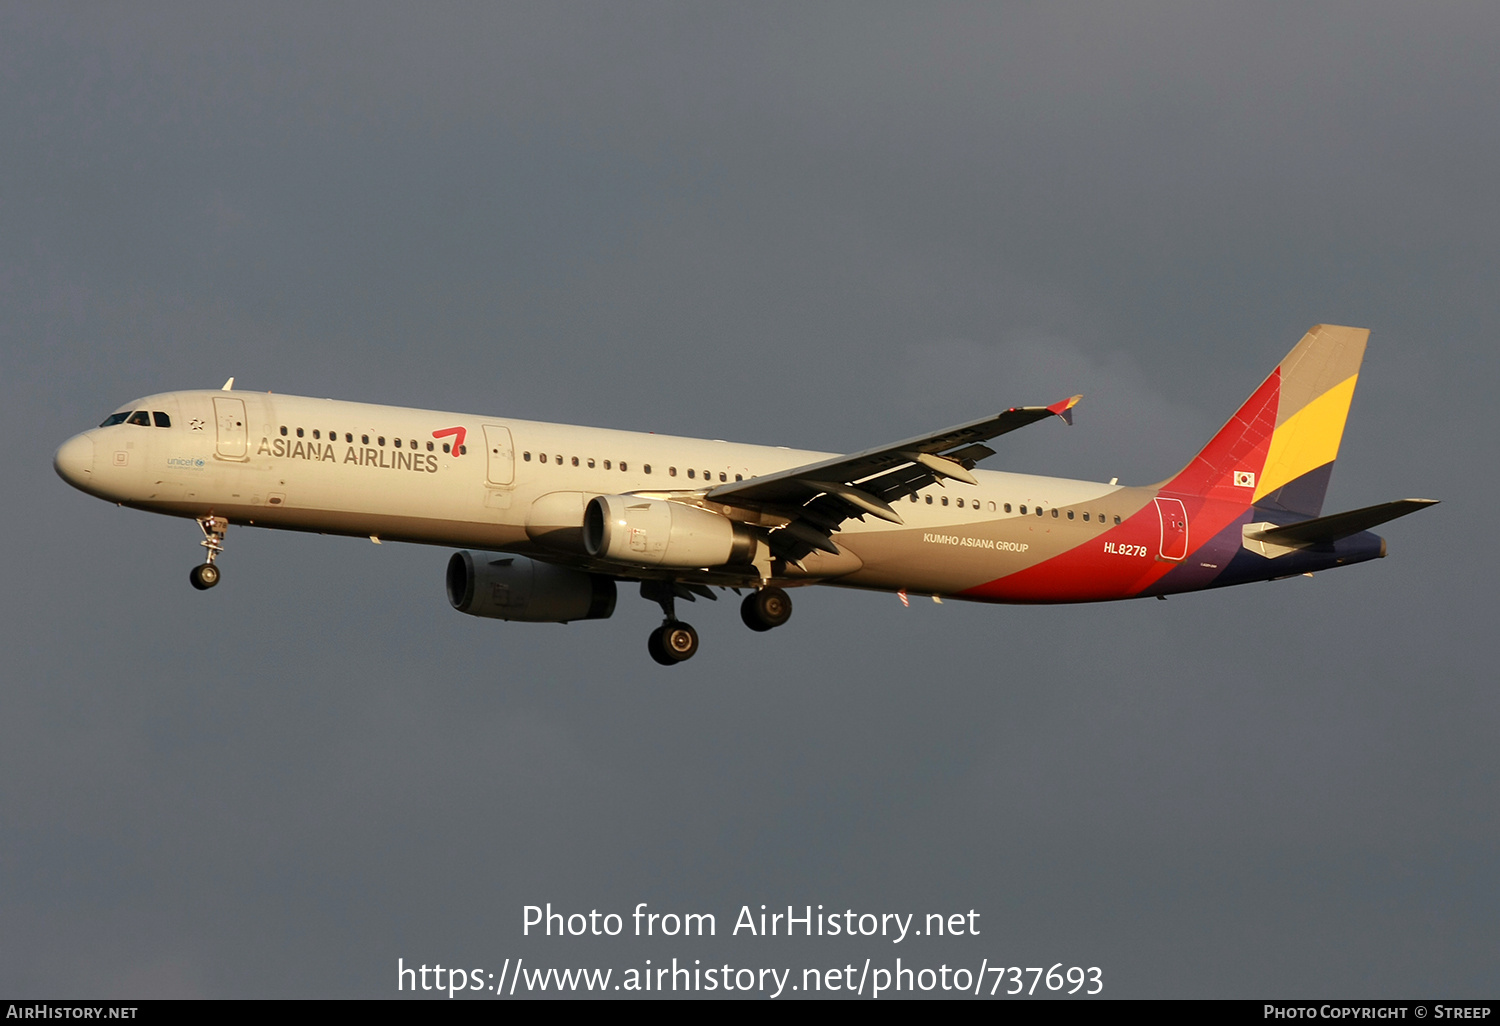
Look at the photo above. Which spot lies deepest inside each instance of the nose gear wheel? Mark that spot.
(205, 575)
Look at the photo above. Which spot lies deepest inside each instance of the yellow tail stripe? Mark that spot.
(1308, 439)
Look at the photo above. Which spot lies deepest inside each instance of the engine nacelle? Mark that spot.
(516, 588)
(653, 532)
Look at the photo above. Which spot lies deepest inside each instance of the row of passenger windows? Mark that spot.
(692, 473)
(144, 419)
(138, 417)
(333, 436)
(1088, 517)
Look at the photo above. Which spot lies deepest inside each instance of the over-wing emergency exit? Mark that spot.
(550, 518)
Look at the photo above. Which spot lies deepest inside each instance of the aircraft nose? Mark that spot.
(74, 461)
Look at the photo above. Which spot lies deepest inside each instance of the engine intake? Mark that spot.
(506, 587)
(654, 532)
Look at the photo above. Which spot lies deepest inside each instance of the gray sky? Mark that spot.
(819, 225)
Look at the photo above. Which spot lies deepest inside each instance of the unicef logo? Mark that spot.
(186, 462)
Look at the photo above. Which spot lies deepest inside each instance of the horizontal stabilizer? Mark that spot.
(1341, 525)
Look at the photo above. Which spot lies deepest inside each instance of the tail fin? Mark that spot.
(1278, 450)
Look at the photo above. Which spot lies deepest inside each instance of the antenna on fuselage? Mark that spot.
(228, 385)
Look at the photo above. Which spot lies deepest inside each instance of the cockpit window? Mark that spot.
(162, 420)
(115, 418)
(140, 417)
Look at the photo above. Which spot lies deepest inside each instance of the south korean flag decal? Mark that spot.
(1244, 479)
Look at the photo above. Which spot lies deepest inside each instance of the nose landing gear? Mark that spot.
(205, 575)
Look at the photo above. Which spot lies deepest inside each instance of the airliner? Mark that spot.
(550, 518)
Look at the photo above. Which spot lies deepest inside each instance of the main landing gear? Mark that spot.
(672, 643)
(675, 642)
(767, 608)
(205, 575)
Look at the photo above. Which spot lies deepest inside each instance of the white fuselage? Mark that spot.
(382, 471)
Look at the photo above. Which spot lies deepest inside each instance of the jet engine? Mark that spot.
(506, 587)
(653, 532)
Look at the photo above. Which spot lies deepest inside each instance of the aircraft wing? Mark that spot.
(818, 497)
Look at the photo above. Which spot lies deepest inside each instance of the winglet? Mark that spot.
(228, 385)
(1064, 409)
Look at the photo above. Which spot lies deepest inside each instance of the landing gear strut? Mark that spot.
(766, 608)
(205, 575)
(674, 641)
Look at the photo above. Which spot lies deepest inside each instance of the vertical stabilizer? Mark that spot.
(1317, 385)
(1278, 449)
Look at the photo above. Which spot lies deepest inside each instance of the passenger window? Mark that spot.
(348, 437)
(446, 449)
(429, 446)
(671, 471)
(162, 420)
(945, 500)
(115, 418)
(558, 459)
(380, 439)
(960, 504)
(1085, 516)
(1117, 519)
(364, 439)
(723, 476)
(647, 468)
(463, 450)
(315, 433)
(992, 507)
(622, 464)
(525, 455)
(283, 431)
(575, 461)
(912, 496)
(737, 477)
(1007, 507)
(606, 464)
(929, 500)
(394, 441)
(1070, 514)
(542, 456)
(692, 473)
(299, 432)
(591, 463)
